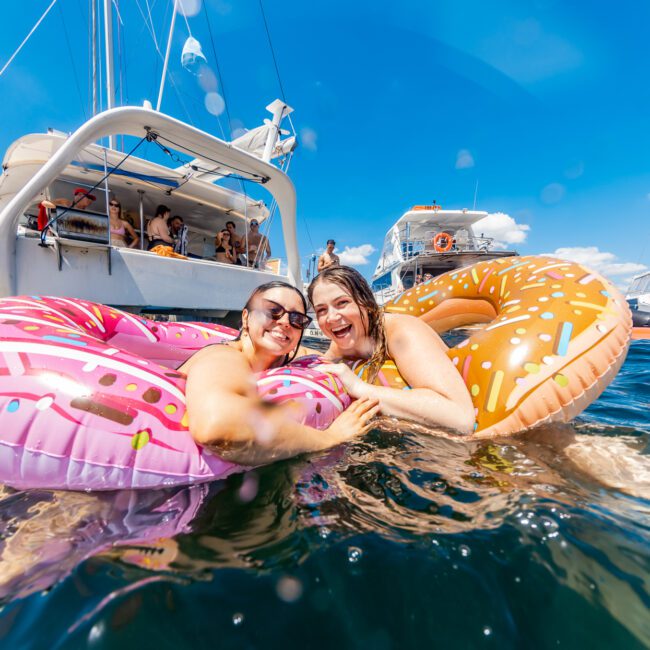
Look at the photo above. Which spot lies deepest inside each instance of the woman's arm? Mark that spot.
(226, 414)
(438, 395)
(135, 240)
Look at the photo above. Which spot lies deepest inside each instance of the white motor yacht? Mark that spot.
(429, 239)
(638, 297)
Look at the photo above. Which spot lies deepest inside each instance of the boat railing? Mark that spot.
(412, 246)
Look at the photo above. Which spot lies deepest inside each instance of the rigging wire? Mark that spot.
(56, 217)
(219, 75)
(254, 178)
(31, 31)
(268, 35)
(74, 67)
(152, 32)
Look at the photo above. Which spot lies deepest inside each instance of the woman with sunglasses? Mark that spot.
(223, 407)
(120, 228)
(350, 317)
(224, 250)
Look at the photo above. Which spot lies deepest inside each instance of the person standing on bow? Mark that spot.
(329, 257)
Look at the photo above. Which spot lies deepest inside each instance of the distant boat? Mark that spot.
(638, 297)
(427, 239)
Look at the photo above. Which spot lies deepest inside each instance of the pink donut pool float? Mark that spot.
(90, 400)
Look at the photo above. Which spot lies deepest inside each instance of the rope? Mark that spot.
(275, 63)
(33, 29)
(56, 217)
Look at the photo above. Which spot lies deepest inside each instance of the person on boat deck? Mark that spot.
(224, 409)
(259, 247)
(426, 277)
(224, 252)
(81, 200)
(178, 231)
(418, 279)
(329, 257)
(120, 228)
(157, 230)
(236, 240)
(350, 317)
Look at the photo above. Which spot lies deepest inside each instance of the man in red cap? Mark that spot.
(82, 200)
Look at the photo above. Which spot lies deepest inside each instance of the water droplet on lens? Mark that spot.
(354, 554)
(487, 631)
(289, 589)
(464, 550)
(237, 619)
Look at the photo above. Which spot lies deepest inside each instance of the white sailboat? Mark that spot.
(74, 256)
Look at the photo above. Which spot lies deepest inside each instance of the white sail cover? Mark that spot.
(391, 252)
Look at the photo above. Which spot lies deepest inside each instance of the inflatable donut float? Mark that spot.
(556, 335)
(89, 398)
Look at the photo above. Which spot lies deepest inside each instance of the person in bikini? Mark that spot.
(157, 229)
(120, 228)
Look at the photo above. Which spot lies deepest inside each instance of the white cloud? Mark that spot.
(308, 138)
(356, 255)
(503, 228)
(464, 159)
(607, 264)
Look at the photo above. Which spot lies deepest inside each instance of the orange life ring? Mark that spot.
(436, 242)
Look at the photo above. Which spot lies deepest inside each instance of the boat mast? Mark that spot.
(93, 9)
(108, 45)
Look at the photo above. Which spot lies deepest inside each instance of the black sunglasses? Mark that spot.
(275, 312)
(114, 205)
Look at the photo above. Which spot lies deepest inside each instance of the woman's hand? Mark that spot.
(354, 421)
(354, 386)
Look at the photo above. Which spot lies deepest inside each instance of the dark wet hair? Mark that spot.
(170, 220)
(161, 210)
(233, 224)
(276, 284)
(355, 284)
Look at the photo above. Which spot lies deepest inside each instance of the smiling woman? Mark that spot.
(349, 316)
(224, 409)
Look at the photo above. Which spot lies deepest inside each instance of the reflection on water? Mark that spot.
(398, 540)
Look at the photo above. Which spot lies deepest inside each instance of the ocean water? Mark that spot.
(398, 540)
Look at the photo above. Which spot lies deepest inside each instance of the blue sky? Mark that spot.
(543, 103)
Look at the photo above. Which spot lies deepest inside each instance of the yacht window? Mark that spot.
(382, 282)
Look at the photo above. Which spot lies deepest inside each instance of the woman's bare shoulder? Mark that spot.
(228, 349)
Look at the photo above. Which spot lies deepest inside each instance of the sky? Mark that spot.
(536, 108)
